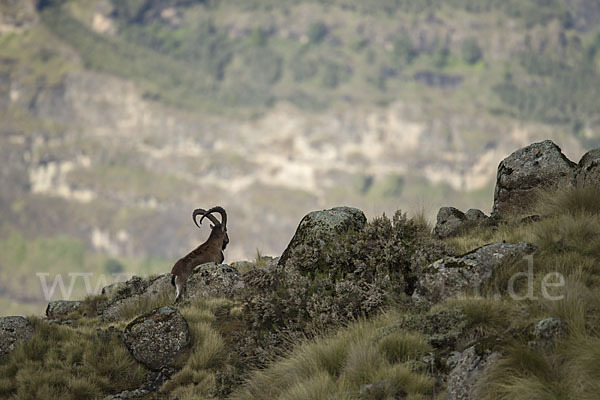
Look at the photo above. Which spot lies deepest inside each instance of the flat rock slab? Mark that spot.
(214, 280)
(157, 338)
(317, 227)
(13, 330)
(527, 170)
(61, 308)
(464, 377)
(449, 276)
(123, 294)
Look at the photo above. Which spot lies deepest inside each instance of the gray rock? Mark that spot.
(475, 215)
(449, 276)
(463, 379)
(13, 330)
(157, 338)
(450, 221)
(317, 227)
(374, 390)
(60, 308)
(128, 394)
(548, 330)
(125, 293)
(589, 169)
(520, 175)
(214, 280)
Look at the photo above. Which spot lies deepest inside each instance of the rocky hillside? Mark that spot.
(120, 117)
(484, 307)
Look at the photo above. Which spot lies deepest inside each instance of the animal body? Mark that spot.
(209, 251)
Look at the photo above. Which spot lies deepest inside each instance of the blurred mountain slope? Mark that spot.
(120, 117)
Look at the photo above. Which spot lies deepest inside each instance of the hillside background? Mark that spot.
(118, 118)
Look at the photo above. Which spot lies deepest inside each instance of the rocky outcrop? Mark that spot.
(13, 330)
(589, 169)
(214, 280)
(550, 329)
(61, 308)
(451, 221)
(157, 338)
(17, 15)
(123, 294)
(449, 276)
(318, 227)
(463, 379)
(526, 171)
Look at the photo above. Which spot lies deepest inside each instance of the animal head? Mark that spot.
(216, 227)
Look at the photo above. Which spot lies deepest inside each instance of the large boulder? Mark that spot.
(157, 338)
(214, 280)
(61, 308)
(318, 227)
(12, 331)
(464, 377)
(449, 276)
(526, 171)
(589, 169)
(451, 221)
(124, 294)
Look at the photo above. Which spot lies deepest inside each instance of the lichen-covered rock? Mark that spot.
(589, 169)
(60, 308)
(450, 221)
(537, 166)
(463, 379)
(449, 276)
(475, 215)
(157, 338)
(123, 294)
(214, 280)
(12, 331)
(318, 227)
(548, 330)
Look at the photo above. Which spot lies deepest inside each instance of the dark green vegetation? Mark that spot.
(240, 350)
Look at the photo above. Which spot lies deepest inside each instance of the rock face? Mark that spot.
(214, 280)
(462, 380)
(157, 338)
(60, 308)
(318, 226)
(452, 221)
(548, 330)
(589, 169)
(450, 276)
(123, 294)
(12, 331)
(537, 166)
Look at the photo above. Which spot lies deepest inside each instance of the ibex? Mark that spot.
(209, 251)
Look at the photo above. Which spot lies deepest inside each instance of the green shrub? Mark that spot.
(316, 32)
(470, 51)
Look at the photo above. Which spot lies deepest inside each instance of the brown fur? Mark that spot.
(209, 251)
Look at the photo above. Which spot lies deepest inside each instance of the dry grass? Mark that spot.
(60, 362)
(341, 365)
(208, 354)
(568, 240)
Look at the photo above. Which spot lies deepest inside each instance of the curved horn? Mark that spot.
(200, 211)
(221, 211)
